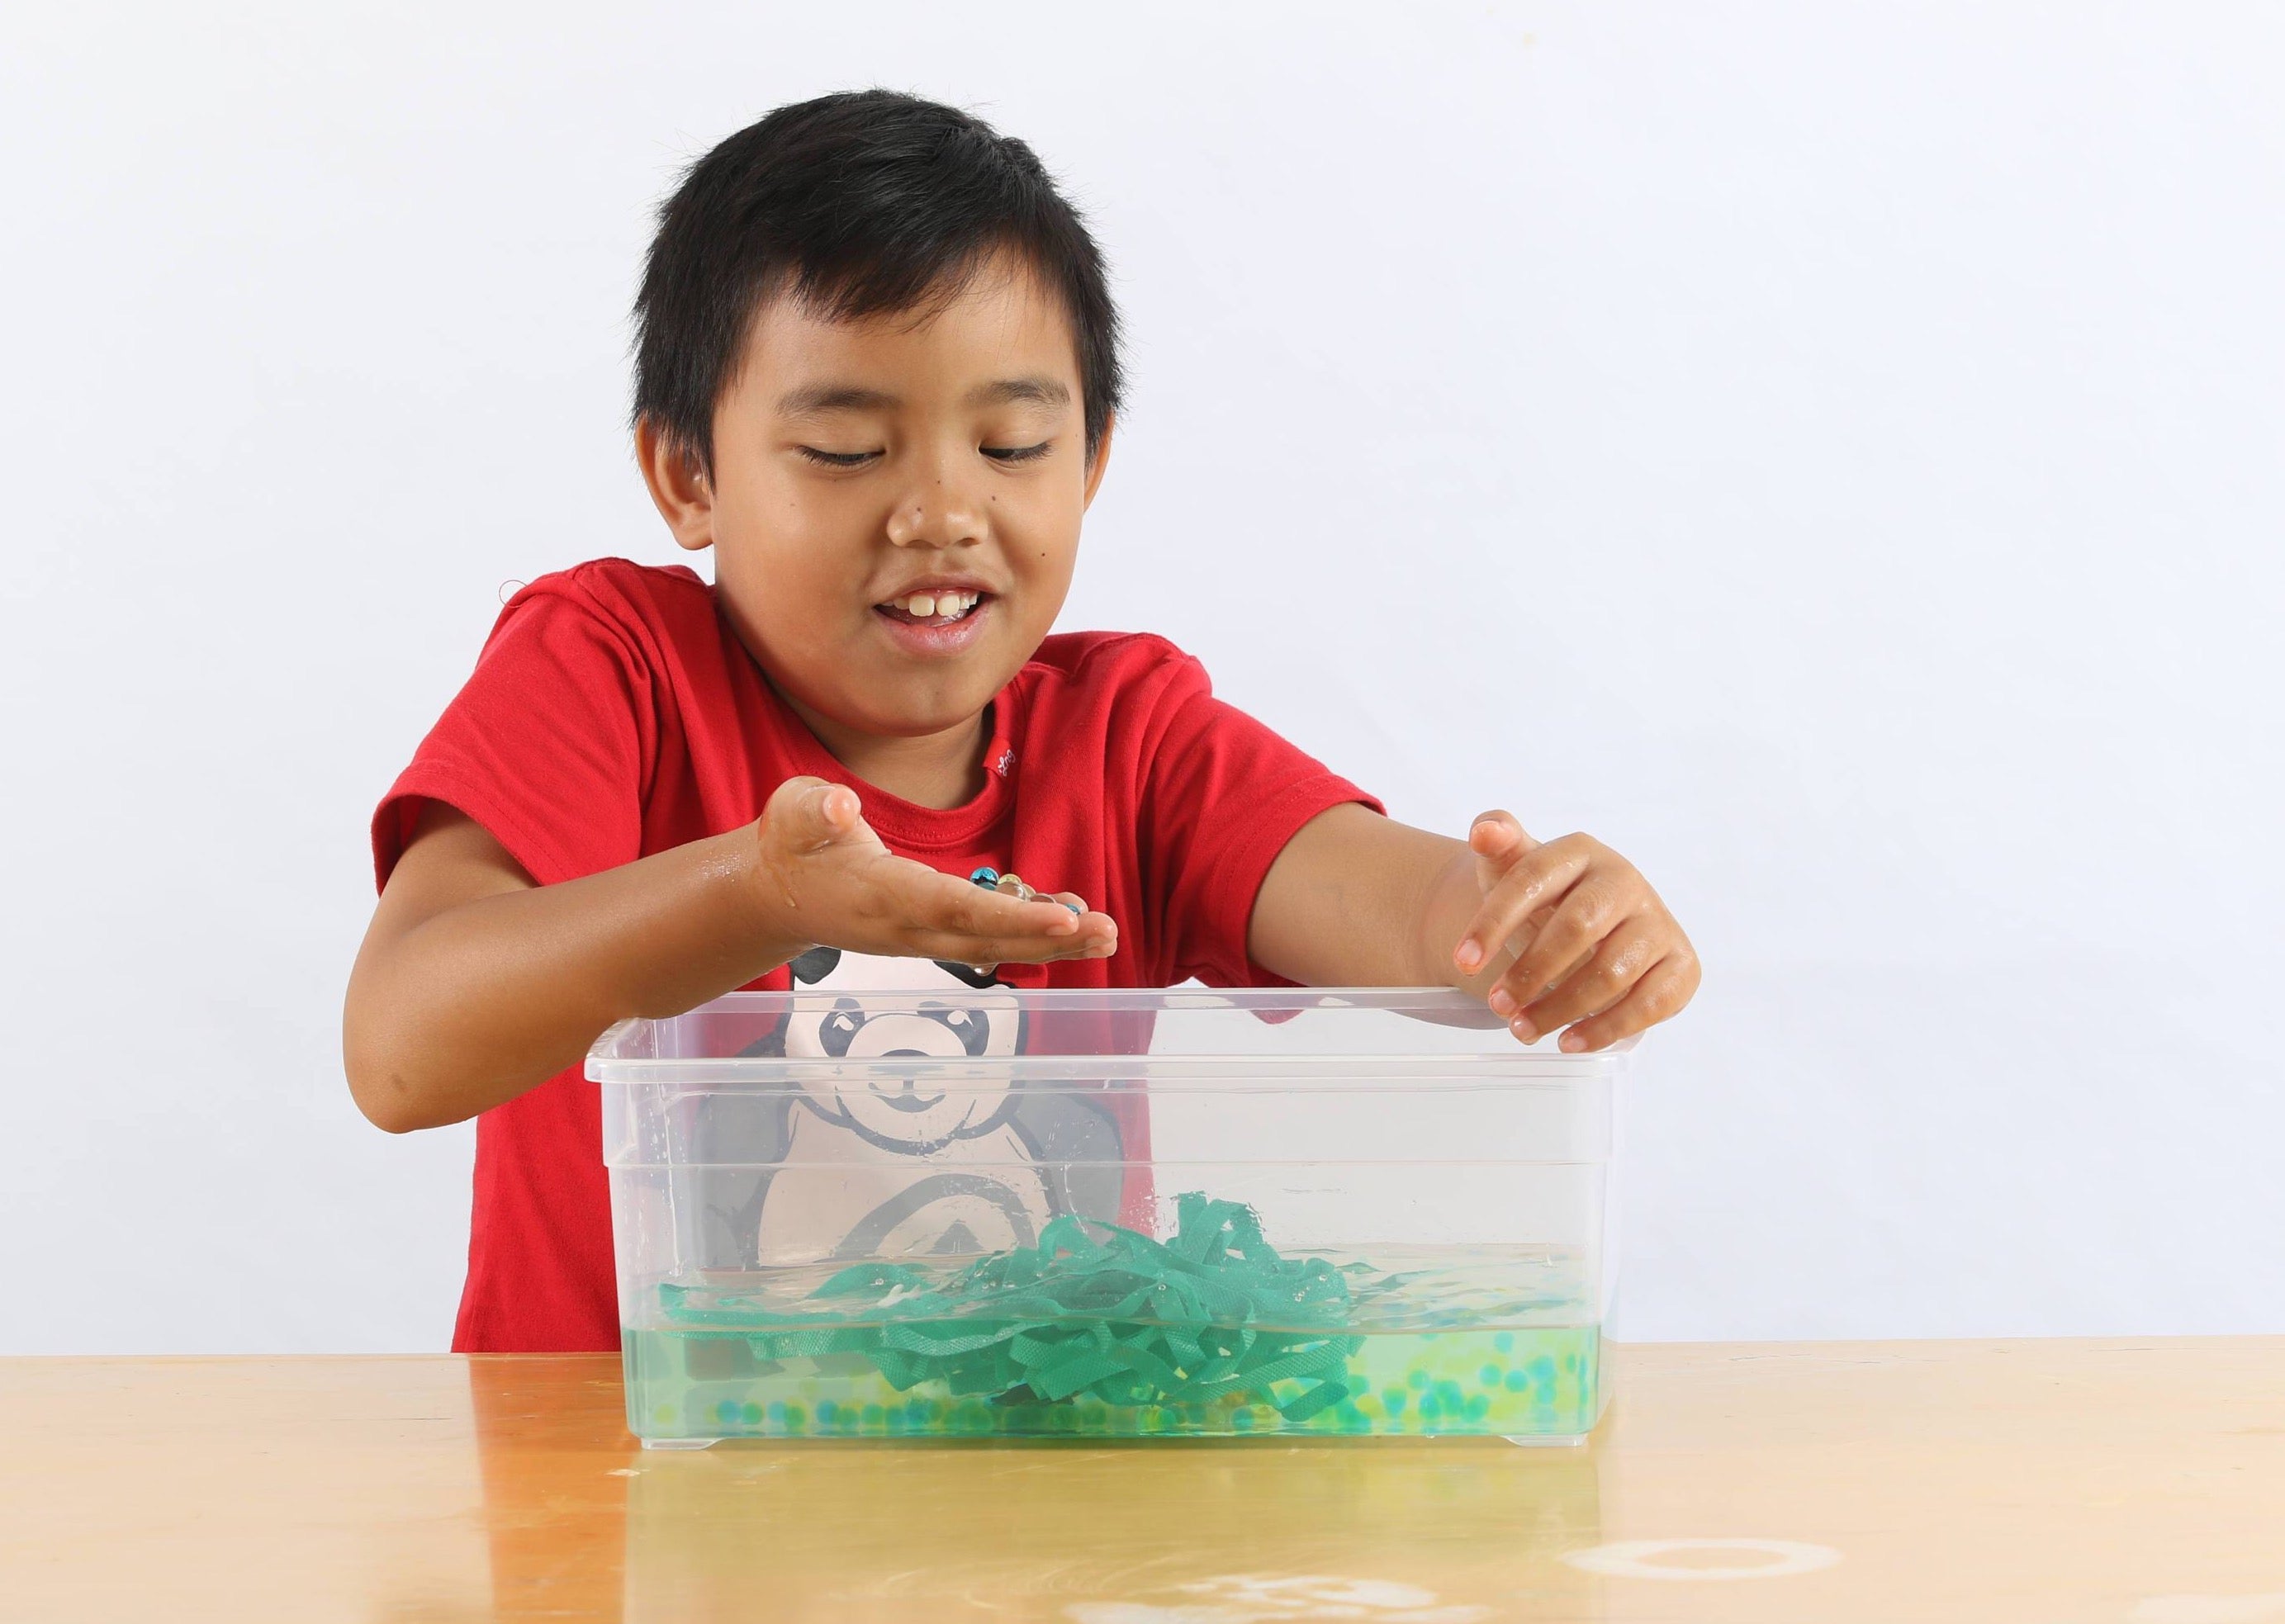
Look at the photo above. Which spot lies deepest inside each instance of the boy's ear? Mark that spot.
(678, 485)
(1102, 461)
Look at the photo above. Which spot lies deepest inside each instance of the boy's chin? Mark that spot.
(903, 705)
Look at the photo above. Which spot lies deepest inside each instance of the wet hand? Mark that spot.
(826, 880)
(1596, 950)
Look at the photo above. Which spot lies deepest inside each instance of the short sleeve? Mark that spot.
(1222, 795)
(548, 746)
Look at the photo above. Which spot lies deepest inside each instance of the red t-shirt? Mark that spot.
(613, 713)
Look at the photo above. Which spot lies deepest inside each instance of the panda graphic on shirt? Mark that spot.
(878, 1164)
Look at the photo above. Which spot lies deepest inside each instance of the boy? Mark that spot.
(877, 374)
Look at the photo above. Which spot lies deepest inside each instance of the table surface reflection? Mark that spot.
(2140, 1481)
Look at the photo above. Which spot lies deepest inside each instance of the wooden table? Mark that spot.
(2024, 1481)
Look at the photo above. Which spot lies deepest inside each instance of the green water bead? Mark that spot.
(1091, 1312)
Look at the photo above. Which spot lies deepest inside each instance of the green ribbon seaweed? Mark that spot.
(1093, 1310)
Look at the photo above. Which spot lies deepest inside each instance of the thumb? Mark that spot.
(1498, 840)
(817, 812)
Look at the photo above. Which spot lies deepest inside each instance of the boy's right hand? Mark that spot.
(826, 881)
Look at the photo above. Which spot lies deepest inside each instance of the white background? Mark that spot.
(1834, 454)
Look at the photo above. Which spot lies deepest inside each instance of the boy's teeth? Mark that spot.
(929, 606)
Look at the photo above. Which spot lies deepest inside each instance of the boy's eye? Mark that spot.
(1018, 453)
(839, 459)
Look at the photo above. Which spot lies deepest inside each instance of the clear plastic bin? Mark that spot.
(1132, 1213)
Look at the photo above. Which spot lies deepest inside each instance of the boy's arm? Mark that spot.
(473, 985)
(1564, 934)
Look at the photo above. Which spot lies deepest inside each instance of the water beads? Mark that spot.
(1093, 1311)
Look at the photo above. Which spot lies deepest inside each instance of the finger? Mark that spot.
(1518, 940)
(1498, 840)
(1098, 932)
(985, 950)
(1535, 880)
(814, 813)
(963, 907)
(1103, 946)
(1091, 921)
(1662, 992)
(1589, 913)
(962, 914)
(1622, 958)
(912, 894)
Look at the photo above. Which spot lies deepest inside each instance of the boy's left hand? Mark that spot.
(1597, 951)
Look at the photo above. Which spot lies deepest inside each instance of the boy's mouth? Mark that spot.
(936, 623)
(935, 608)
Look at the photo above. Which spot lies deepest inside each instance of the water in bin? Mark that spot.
(861, 1210)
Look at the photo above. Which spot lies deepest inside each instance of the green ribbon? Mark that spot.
(1092, 1310)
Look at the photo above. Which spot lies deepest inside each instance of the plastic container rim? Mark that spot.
(1519, 1067)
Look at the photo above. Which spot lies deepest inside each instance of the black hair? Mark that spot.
(864, 203)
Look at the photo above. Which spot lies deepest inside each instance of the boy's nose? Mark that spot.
(937, 515)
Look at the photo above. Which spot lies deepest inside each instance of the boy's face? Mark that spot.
(861, 466)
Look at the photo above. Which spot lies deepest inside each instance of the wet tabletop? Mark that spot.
(2140, 1481)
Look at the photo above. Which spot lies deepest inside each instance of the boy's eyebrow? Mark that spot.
(1005, 391)
(813, 399)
